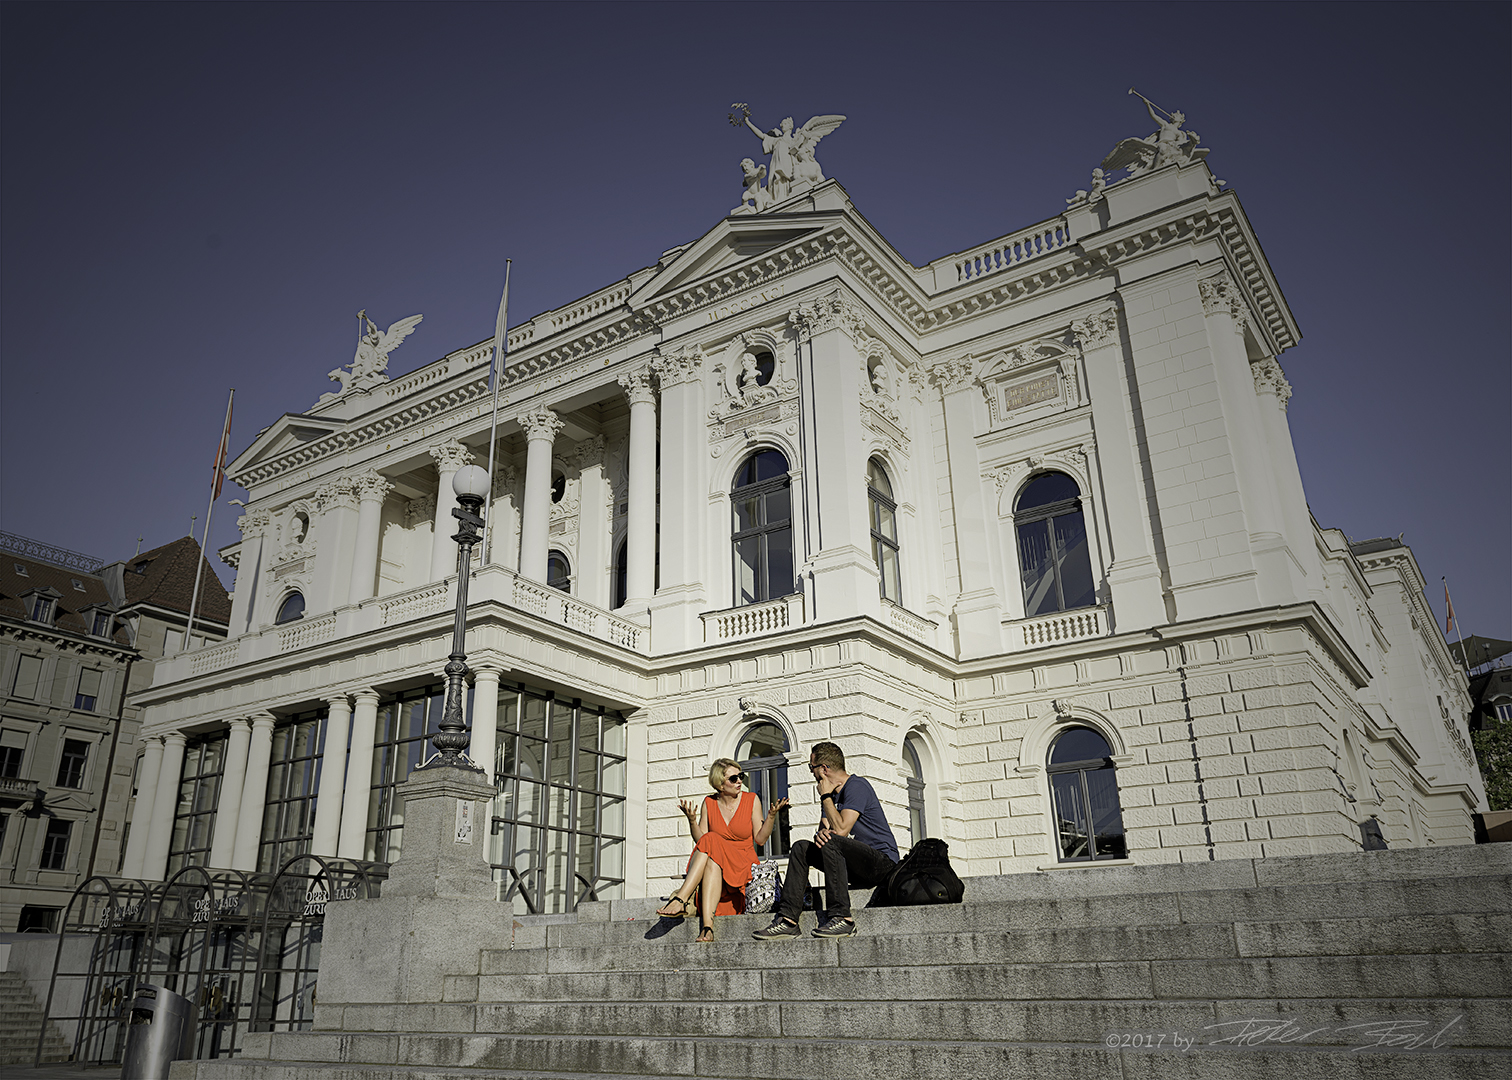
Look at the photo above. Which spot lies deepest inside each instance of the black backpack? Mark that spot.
(923, 877)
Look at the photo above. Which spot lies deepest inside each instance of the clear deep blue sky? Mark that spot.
(201, 196)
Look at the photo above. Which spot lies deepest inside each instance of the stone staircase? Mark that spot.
(21, 1017)
(1387, 964)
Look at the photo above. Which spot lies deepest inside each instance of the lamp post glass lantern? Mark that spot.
(470, 485)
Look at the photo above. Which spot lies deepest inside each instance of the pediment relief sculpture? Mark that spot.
(791, 168)
(369, 367)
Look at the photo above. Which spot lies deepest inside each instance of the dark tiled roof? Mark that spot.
(166, 580)
(71, 614)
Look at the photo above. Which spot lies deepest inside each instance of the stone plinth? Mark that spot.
(438, 910)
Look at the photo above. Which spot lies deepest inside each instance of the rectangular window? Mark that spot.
(404, 729)
(12, 747)
(557, 828)
(101, 624)
(41, 609)
(71, 767)
(89, 690)
(55, 845)
(293, 780)
(199, 792)
(28, 674)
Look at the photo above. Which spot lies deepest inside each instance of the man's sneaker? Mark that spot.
(780, 928)
(837, 927)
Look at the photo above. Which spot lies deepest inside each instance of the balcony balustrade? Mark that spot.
(1058, 629)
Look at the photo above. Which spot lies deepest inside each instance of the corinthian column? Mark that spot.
(254, 794)
(141, 817)
(160, 834)
(449, 457)
(541, 427)
(640, 526)
(228, 808)
(371, 489)
(254, 525)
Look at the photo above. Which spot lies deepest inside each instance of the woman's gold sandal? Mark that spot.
(680, 913)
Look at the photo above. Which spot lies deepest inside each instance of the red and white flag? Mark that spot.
(218, 473)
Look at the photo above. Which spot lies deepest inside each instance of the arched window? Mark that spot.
(762, 532)
(884, 530)
(292, 608)
(1052, 543)
(917, 825)
(1084, 791)
(762, 753)
(558, 572)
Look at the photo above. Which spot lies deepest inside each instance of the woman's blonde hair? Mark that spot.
(717, 771)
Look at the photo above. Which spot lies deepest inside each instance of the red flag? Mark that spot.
(1449, 609)
(218, 470)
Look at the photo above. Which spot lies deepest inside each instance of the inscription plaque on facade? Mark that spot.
(1045, 388)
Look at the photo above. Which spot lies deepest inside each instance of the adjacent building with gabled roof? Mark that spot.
(76, 638)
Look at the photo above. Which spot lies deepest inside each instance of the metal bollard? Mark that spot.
(160, 1031)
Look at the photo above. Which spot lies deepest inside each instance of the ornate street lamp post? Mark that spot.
(470, 485)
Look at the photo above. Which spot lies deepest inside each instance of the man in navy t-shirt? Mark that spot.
(854, 846)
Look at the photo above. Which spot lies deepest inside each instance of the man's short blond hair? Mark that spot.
(717, 771)
(828, 754)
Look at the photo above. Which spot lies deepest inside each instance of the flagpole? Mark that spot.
(215, 489)
(495, 376)
(1459, 630)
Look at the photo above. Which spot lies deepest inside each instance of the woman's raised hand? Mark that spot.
(689, 808)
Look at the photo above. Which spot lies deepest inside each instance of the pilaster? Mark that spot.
(336, 536)
(254, 525)
(371, 490)
(683, 502)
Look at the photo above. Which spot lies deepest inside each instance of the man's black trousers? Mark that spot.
(845, 863)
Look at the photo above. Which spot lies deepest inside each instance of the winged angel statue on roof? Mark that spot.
(370, 366)
(1169, 145)
(792, 168)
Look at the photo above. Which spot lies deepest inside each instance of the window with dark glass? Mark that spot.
(89, 690)
(41, 608)
(71, 764)
(762, 753)
(199, 793)
(1084, 791)
(915, 778)
(1054, 563)
(293, 779)
(55, 845)
(763, 532)
(884, 530)
(558, 572)
(405, 726)
(292, 608)
(557, 826)
(101, 624)
(621, 570)
(10, 761)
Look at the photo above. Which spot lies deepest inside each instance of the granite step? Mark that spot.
(1482, 1022)
(439, 1056)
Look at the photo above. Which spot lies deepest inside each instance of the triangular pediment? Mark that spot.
(730, 244)
(286, 433)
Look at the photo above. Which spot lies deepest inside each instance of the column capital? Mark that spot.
(1096, 330)
(366, 694)
(1220, 296)
(683, 366)
(339, 701)
(1270, 379)
(831, 312)
(637, 384)
(371, 486)
(540, 424)
(177, 737)
(952, 375)
(488, 672)
(238, 720)
(450, 455)
(337, 493)
(263, 719)
(254, 523)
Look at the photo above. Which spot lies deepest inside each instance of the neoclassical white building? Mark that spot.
(1021, 529)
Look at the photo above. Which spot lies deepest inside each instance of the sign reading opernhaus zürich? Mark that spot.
(1022, 530)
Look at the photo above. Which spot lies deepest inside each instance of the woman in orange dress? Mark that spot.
(726, 834)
